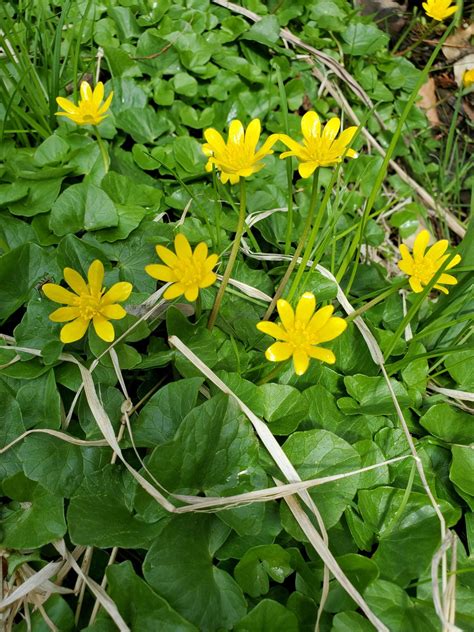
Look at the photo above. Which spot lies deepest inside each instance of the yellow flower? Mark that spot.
(439, 9)
(319, 149)
(238, 158)
(188, 271)
(299, 333)
(87, 303)
(468, 78)
(89, 111)
(422, 267)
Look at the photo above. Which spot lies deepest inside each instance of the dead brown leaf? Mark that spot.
(458, 44)
(428, 102)
(461, 65)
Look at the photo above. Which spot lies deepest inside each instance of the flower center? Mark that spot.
(299, 337)
(424, 271)
(189, 273)
(88, 306)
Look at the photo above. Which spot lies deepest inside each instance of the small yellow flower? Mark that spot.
(319, 149)
(188, 271)
(300, 331)
(468, 78)
(90, 110)
(87, 303)
(422, 267)
(238, 158)
(439, 9)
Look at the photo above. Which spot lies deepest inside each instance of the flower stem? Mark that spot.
(233, 256)
(364, 308)
(310, 245)
(299, 247)
(103, 149)
(198, 308)
(272, 374)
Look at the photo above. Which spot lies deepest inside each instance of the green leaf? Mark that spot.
(34, 517)
(461, 368)
(319, 453)
(140, 607)
(393, 606)
(268, 616)
(218, 442)
(179, 567)
(258, 565)
(99, 210)
(40, 402)
(462, 468)
(266, 31)
(67, 213)
(351, 622)
(40, 198)
(417, 523)
(51, 151)
(52, 462)
(58, 612)
(449, 424)
(283, 407)
(20, 270)
(99, 514)
(363, 39)
(372, 396)
(162, 415)
(11, 427)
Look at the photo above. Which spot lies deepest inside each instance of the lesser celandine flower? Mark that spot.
(90, 110)
(238, 158)
(319, 149)
(301, 331)
(468, 78)
(422, 267)
(439, 9)
(87, 302)
(187, 271)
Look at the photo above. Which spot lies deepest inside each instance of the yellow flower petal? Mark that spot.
(415, 285)
(448, 279)
(420, 244)
(59, 294)
(98, 94)
(67, 105)
(166, 255)
(285, 311)
(182, 247)
(405, 266)
(332, 329)
(266, 147)
(74, 331)
(95, 276)
(310, 125)
(279, 351)
(331, 129)
(63, 314)
(292, 144)
(305, 309)
(406, 253)
(105, 106)
(236, 132)
(86, 91)
(118, 292)
(454, 262)
(252, 135)
(208, 280)
(320, 318)
(325, 355)
(306, 169)
(215, 140)
(272, 329)
(115, 312)
(191, 293)
(437, 250)
(75, 281)
(300, 361)
(103, 328)
(160, 272)
(200, 252)
(175, 290)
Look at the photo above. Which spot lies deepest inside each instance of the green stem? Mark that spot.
(198, 308)
(388, 292)
(103, 149)
(272, 374)
(233, 256)
(310, 245)
(299, 247)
